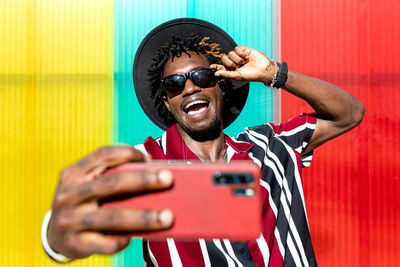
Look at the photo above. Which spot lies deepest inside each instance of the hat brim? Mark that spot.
(183, 27)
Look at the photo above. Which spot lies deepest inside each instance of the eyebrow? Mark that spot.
(196, 68)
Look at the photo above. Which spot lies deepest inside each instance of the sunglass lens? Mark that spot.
(204, 78)
(174, 83)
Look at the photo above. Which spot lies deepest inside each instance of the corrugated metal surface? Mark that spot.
(352, 188)
(249, 23)
(56, 105)
(56, 96)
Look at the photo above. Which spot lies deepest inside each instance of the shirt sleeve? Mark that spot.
(296, 133)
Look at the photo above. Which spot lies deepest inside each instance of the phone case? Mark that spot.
(213, 200)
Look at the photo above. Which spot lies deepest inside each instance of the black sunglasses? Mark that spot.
(203, 78)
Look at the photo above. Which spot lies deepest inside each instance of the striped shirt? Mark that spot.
(285, 239)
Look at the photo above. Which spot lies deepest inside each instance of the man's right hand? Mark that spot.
(78, 223)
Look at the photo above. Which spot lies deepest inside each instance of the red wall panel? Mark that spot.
(353, 187)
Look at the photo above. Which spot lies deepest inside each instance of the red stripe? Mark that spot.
(256, 254)
(276, 259)
(153, 149)
(161, 253)
(190, 253)
(269, 218)
(294, 122)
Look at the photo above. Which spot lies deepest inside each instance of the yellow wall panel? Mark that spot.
(56, 105)
(14, 35)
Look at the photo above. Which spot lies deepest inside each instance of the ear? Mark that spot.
(166, 103)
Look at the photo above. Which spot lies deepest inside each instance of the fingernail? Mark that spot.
(164, 177)
(165, 217)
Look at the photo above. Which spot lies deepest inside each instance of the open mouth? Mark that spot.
(196, 107)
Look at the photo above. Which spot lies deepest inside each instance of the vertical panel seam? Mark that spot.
(276, 94)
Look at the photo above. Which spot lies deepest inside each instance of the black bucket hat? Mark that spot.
(183, 27)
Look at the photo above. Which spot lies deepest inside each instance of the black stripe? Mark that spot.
(288, 260)
(300, 221)
(243, 254)
(217, 258)
(227, 253)
(296, 247)
(146, 255)
(158, 140)
(296, 140)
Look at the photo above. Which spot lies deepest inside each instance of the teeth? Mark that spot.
(196, 102)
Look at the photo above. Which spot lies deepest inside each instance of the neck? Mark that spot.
(209, 150)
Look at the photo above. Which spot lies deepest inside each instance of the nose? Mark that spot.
(190, 88)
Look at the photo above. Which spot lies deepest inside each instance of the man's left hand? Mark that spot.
(245, 64)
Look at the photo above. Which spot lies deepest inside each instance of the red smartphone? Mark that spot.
(213, 200)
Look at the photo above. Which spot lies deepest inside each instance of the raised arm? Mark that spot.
(337, 111)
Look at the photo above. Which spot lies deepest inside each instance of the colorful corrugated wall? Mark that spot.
(353, 188)
(66, 89)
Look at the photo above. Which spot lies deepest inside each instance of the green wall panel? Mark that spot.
(248, 22)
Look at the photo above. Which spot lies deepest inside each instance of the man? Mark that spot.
(190, 87)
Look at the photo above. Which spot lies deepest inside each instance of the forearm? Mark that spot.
(330, 102)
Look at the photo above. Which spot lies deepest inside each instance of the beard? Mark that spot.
(211, 132)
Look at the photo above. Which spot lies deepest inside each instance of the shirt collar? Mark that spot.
(177, 149)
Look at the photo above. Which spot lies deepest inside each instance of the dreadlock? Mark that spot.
(175, 48)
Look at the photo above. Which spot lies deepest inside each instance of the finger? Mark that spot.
(228, 63)
(235, 58)
(235, 75)
(117, 183)
(243, 51)
(96, 243)
(119, 220)
(217, 67)
(97, 162)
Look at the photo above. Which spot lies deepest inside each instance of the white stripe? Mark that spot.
(263, 246)
(173, 252)
(285, 206)
(164, 142)
(280, 244)
(280, 179)
(298, 242)
(292, 226)
(293, 251)
(151, 255)
(141, 148)
(296, 173)
(229, 248)
(297, 129)
(275, 159)
(204, 251)
(300, 148)
(304, 144)
(300, 188)
(237, 141)
(230, 152)
(271, 202)
(272, 205)
(228, 259)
